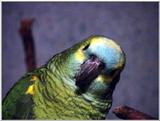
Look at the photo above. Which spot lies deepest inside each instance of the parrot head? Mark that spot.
(94, 66)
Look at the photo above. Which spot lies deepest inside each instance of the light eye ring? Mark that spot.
(86, 47)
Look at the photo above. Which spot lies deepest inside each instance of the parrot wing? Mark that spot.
(17, 104)
(24, 107)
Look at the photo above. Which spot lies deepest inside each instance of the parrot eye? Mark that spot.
(86, 47)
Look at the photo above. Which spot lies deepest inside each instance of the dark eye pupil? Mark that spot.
(86, 47)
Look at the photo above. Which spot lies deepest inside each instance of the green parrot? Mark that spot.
(77, 83)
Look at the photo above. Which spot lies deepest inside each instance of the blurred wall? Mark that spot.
(60, 25)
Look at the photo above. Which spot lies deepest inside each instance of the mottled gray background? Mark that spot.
(60, 25)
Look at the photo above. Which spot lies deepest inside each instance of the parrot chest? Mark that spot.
(58, 101)
(63, 103)
(66, 109)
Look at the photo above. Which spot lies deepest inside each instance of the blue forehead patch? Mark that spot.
(109, 55)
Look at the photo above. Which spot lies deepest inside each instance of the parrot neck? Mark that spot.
(63, 66)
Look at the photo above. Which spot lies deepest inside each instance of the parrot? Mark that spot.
(75, 84)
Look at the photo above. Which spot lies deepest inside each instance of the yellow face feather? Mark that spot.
(80, 56)
(103, 78)
(99, 78)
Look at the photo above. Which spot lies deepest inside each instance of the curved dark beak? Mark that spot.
(90, 69)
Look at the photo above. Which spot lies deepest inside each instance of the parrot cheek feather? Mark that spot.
(79, 55)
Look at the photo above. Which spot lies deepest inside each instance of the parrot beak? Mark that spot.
(90, 69)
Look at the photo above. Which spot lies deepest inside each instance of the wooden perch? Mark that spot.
(125, 112)
(28, 43)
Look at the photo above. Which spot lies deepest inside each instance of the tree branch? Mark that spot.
(28, 43)
(125, 112)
